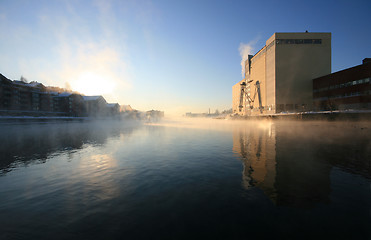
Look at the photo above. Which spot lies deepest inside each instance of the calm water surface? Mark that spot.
(186, 179)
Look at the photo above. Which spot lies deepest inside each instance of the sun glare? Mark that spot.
(90, 83)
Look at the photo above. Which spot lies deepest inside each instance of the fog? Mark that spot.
(345, 142)
(25, 143)
(118, 178)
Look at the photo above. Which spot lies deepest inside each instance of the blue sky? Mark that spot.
(177, 56)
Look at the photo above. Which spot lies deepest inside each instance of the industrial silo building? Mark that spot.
(278, 78)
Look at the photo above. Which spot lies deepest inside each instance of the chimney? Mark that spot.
(366, 60)
(248, 66)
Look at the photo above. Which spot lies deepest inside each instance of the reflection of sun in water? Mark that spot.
(90, 83)
(98, 172)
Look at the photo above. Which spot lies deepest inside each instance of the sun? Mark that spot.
(90, 83)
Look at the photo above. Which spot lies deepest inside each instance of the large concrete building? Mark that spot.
(278, 78)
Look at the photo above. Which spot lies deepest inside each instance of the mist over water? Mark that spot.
(185, 179)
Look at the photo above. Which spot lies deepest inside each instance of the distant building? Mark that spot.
(201, 115)
(155, 114)
(113, 109)
(95, 105)
(20, 98)
(69, 103)
(281, 73)
(126, 108)
(46, 103)
(6, 93)
(346, 89)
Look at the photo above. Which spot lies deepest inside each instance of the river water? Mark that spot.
(186, 179)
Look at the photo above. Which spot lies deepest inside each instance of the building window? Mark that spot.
(343, 85)
(298, 41)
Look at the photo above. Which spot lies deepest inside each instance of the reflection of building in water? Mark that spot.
(257, 149)
(284, 166)
(303, 179)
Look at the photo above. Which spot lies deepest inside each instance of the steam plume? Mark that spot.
(245, 50)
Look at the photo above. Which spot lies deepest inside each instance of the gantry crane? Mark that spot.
(244, 94)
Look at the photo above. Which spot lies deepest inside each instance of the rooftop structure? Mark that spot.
(92, 98)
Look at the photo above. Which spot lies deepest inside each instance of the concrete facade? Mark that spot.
(284, 68)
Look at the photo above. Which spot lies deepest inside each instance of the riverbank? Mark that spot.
(57, 119)
(43, 119)
(347, 115)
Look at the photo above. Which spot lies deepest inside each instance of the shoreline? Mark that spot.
(8, 120)
(325, 115)
(31, 119)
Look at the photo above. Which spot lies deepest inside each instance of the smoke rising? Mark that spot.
(245, 50)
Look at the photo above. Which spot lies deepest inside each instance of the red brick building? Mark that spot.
(346, 89)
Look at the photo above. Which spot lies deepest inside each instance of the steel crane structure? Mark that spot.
(244, 95)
